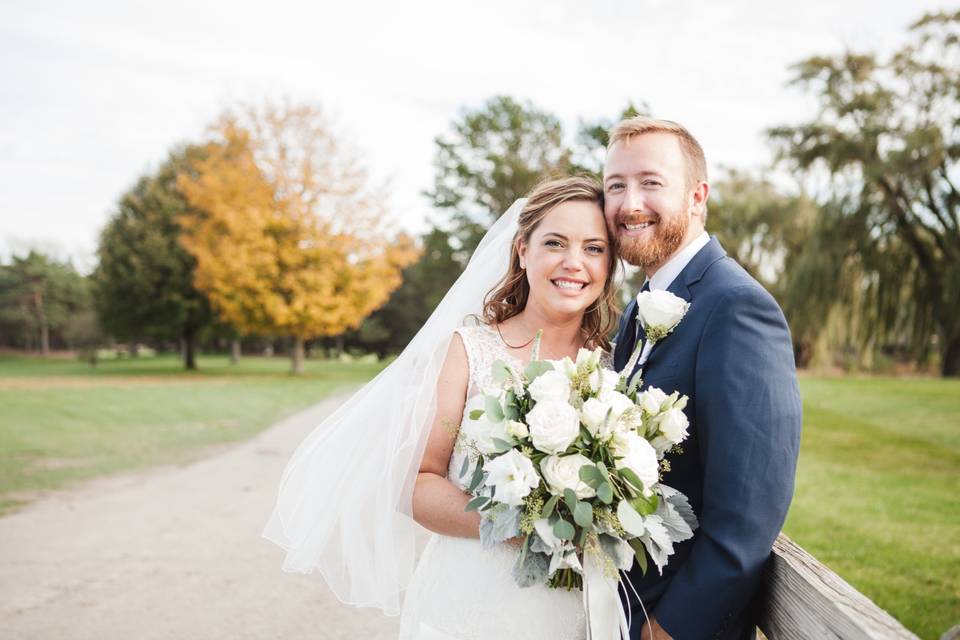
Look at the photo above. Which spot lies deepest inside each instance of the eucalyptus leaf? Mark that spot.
(502, 446)
(536, 368)
(476, 414)
(564, 530)
(465, 467)
(605, 493)
(570, 498)
(493, 409)
(476, 479)
(549, 506)
(591, 475)
(583, 514)
(501, 372)
(476, 503)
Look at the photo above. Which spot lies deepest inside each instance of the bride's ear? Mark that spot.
(522, 252)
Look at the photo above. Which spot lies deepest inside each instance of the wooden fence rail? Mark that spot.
(807, 601)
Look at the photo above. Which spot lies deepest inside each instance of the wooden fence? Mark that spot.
(807, 601)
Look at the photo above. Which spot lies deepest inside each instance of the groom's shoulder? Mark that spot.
(727, 280)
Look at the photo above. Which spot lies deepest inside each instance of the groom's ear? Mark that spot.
(698, 200)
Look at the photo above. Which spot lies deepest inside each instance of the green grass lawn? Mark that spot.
(877, 489)
(877, 492)
(62, 421)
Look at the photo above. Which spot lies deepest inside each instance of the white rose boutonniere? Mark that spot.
(659, 312)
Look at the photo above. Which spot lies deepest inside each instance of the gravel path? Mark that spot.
(174, 552)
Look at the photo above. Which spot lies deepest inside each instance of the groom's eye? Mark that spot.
(614, 186)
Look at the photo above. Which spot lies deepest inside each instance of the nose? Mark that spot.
(573, 259)
(632, 200)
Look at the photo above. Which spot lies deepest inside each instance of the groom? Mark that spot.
(732, 355)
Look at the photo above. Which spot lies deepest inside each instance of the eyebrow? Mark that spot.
(640, 173)
(563, 237)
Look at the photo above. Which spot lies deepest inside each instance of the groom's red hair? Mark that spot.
(627, 129)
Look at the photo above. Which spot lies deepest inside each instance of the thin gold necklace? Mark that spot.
(504, 340)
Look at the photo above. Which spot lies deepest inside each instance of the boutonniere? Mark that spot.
(659, 312)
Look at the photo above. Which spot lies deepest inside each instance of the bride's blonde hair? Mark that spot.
(509, 297)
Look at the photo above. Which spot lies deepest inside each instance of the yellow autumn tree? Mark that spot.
(290, 237)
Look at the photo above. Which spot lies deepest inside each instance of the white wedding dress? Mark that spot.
(461, 591)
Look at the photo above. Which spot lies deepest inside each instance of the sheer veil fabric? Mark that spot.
(344, 503)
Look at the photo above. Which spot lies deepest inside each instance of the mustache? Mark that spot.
(634, 218)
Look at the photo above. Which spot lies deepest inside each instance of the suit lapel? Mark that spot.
(627, 337)
(691, 274)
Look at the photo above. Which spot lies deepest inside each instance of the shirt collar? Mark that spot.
(666, 274)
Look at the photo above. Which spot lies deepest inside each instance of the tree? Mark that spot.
(144, 277)
(768, 233)
(425, 282)
(590, 148)
(887, 138)
(289, 236)
(37, 297)
(492, 156)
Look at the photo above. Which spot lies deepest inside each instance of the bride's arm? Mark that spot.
(438, 504)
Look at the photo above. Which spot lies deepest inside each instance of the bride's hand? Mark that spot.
(516, 542)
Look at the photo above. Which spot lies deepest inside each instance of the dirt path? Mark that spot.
(171, 553)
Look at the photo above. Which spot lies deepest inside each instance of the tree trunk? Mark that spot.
(339, 342)
(42, 319)
(950, 357)
(235, 351)
(297, 356)
(190, 349)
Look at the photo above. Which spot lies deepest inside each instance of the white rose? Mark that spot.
(563, 472)
(662, 309)
(593, 414)
(551, 385)
(673, 425)
(618, 402)
(651, 400)
(513, 477)
(482, 432)
(517, 429)
(553, 426)
(638, 455)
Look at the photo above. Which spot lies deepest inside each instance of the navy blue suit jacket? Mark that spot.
(733, 356)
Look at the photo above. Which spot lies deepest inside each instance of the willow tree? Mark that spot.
(887, 137)
(289, 235)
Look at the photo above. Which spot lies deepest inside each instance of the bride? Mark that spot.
(393, 453)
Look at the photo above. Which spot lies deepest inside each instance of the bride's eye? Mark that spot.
(595, 249)
(553, 243)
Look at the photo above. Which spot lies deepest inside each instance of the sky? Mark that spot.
(94, 94)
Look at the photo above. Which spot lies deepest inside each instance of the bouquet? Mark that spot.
(565, 461)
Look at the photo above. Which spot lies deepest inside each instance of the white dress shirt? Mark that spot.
(665, 276)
